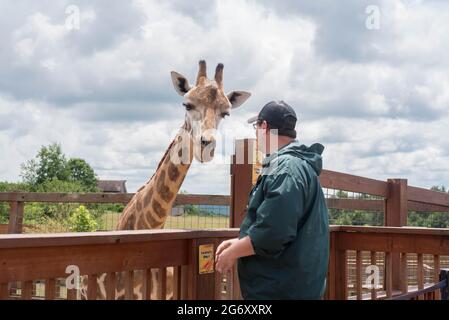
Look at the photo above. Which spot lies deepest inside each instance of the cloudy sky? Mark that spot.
(374, 89)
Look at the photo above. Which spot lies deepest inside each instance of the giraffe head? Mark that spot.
(206, 105)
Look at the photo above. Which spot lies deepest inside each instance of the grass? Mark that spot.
(108, 221)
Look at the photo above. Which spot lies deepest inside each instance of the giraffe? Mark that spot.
(206, 104)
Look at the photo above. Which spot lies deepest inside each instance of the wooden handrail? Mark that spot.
(181, 199)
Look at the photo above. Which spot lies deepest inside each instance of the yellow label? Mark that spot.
(206, 258)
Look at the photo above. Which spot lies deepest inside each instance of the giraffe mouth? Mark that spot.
(206, 154)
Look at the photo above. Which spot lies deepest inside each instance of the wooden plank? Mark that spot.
(426, 207)
(27, 290)
(129, 285)
(436, 274)
(15, 217)
(330, 289)
(358, 273)
(177, 283)
(184, 283)
(111, 282)
(373, 263)
(4, 291)
(72, 294)
(388, 274)
(110, 237)
(181, 199)
(92, 287)
(50, 289)
(347, 182)
(162, 284)
(404, 273)
(396, 203)
(341, 278)
(420, 273)
(48, 262)
(393, 243)
(241, 179)
(392, 230)
(355, 204)
(147, 284)
(428, 196)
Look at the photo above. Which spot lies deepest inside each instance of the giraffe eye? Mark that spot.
(188, 106)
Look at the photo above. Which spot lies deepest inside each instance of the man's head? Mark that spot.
(275, 125)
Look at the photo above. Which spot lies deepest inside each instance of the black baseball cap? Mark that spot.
(279, 115)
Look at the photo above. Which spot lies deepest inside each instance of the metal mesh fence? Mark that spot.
(58, 218)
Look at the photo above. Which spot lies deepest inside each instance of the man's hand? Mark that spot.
(229, 251)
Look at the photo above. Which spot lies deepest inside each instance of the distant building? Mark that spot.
(112, 186)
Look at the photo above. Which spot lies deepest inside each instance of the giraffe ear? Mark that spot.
(237, 98)
(180, 83)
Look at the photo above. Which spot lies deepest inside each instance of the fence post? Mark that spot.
(201, 286)
(444, 275)
(15, 217)
(396, 216)
(241, 179)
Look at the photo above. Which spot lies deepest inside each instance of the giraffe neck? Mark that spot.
(152, 204)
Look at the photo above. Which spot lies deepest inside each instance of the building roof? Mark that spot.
(113, 186)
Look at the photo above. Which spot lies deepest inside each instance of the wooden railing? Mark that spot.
(17, 201)
(350, 245)
(42, 259)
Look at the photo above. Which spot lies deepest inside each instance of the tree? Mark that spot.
(80, 171)
(50, 164)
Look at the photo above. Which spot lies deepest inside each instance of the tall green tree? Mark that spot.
(51, 164)
(80, 171)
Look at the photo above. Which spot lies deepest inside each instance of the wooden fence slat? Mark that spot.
(404, 274)
(4, 291)
(27, 290)
(341, 278)
(374, 288)
(147, 284)
(50, 289)
(358, 273)
(184, 284)
(162, 283)
(388, 274)
(111, 280)
(92, 287)
(72, 294)
(420, 273)
(436, 274)
(177, 283)
(129, 285)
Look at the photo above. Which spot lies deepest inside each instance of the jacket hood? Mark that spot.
(310, 154)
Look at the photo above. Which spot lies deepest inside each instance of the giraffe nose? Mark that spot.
(205, 142)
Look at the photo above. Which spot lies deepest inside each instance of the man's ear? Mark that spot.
(180, 83)
(237, 98)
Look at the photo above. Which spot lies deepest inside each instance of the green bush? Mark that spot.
(82, 221)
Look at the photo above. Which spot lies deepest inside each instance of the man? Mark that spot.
(283, 247)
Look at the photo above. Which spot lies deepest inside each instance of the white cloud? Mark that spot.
(378, 100)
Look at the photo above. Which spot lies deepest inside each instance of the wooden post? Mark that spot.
(241, 185)
(444, 275)
(241, 179)
(396, 216)
(15, 217)
(201, 286)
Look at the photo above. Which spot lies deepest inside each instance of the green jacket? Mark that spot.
(287, 222)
